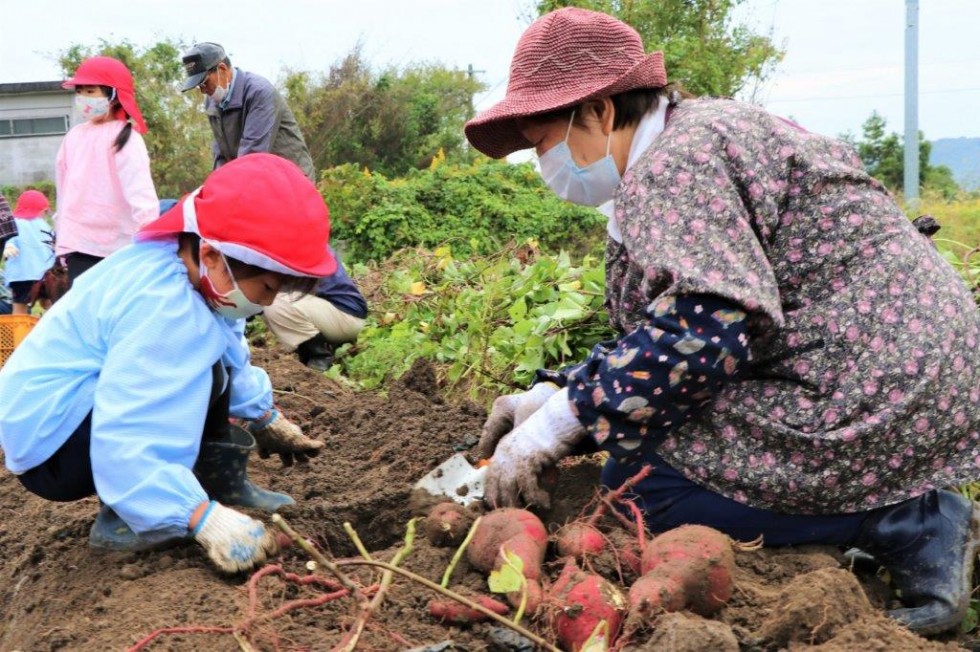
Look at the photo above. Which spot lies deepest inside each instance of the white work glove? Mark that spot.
(507, 413)
(10, 251)
(274, 433)
(234, 542)
(545, 437)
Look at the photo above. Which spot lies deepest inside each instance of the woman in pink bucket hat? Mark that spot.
(793, 358)
(123, 390)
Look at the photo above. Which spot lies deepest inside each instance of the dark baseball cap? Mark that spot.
(201, 58)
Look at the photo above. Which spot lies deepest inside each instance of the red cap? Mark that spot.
(106, 71)
(563, 59)
(31, 204)
(259, 209)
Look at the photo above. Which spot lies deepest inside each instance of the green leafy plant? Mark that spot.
(972, 617)
(509, 578)
(488, 323)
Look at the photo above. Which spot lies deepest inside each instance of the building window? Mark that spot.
(11, 128)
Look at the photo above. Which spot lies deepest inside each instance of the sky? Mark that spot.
(844, 58)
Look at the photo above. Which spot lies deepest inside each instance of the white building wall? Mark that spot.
(30, 159)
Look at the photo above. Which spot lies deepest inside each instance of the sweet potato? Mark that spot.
(579, 540)
(689, 567)
(447, 524)
(583, 600)
(517, 532)
(451, 611)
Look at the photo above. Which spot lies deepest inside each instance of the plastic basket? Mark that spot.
(13, 329)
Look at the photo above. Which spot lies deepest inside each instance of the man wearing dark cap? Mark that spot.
(246, 112)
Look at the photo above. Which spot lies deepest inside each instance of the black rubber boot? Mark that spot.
(316, 353)
(109, 532)
(928, 545)
(221, 469)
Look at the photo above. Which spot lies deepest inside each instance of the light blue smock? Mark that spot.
(133, 343)
(35, 257)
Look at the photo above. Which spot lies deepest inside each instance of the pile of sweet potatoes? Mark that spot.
(688, 568)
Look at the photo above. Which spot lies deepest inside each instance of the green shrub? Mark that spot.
(476, 208)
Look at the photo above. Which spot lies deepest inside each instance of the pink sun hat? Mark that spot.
(106, 71)
(563, 59)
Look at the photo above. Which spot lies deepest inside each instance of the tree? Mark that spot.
(179, 139)
(390, 121)
(883, 155)
(703, 49)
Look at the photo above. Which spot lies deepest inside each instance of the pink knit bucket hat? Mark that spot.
(563, 59)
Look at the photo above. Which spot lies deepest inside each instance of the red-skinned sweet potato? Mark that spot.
(689, 567)
(451, 611)
(447, 524)
(514, 531)
(579, 540)
(582, 601)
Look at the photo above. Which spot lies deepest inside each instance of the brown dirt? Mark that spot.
(57, 594)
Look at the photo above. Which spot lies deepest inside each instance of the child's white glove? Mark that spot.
(10, 251)
(234, 542)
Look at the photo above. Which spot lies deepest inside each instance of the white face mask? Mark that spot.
(91, 107)
(592, 185)
(232, 304)
(219, 93)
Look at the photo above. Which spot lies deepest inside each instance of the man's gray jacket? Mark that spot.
(256, 119)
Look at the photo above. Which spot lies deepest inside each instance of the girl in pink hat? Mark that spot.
(28, 254)
(105, 191)
(124, 389)
(793, 359)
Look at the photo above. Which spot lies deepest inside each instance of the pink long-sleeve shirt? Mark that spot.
(104, 196)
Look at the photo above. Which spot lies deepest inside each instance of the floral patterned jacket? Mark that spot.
(862, 387)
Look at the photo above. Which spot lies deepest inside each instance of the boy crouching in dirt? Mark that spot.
(123, 389)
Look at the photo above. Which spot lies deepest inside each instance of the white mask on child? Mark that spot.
(232, 304)
(91, 107)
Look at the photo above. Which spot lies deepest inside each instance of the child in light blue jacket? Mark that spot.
(30, 253)
(124, 389)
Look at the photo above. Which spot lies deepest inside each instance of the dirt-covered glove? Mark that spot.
(274, 433)
(545, 437)
(10, 251)
(507, 413)
(234, 542)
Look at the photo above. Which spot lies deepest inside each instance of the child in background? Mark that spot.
(105, 192)
(28, 254)
(8, 227)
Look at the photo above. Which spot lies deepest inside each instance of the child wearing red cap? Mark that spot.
(105, 192)
(28, 254)
(123, 390)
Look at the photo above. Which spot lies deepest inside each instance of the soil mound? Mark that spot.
(57, 594)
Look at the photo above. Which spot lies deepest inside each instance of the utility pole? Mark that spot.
(911, 180)
(471, 74)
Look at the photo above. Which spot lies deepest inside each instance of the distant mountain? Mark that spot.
(962, 156)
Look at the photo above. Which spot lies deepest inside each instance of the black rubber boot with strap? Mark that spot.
(929, 546)
(221, 469)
